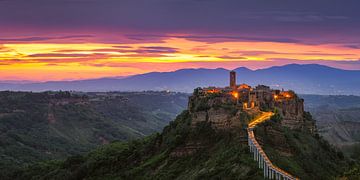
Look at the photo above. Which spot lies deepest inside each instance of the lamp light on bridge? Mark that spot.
(235, 94)
(275, 97)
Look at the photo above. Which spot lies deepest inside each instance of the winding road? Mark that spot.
(270, 170)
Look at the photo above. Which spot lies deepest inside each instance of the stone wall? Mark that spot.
(221, 112)
(292, 112)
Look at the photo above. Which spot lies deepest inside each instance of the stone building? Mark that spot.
(259, 98)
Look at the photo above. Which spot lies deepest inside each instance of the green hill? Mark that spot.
(337, 119)
(54, 125)
(212, 155)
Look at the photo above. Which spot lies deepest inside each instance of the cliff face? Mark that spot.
(293, 114)
(221, 112)
(218, 118)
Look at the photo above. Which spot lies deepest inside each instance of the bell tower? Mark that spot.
(233, 79)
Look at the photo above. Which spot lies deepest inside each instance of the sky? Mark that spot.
(50, 40)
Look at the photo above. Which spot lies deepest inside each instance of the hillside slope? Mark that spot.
(55, 125)
(337, 119)
(219, 155)
(192, 149)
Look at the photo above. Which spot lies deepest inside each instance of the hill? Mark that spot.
(338, 120)
(304, 79)
(192, 147)
(55, 125)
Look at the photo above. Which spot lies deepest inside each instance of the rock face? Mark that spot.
(221, 112)
(293, 114)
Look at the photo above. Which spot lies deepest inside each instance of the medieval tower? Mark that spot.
(233, 79)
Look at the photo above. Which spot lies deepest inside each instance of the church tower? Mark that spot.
(233, 79)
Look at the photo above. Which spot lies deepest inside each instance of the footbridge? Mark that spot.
(270, 170)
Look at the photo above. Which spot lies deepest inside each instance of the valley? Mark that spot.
(72, 124)
(54, 125)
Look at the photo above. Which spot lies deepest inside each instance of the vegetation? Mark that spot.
(337, 119)
(48, 126)
(354, 171)
(300, 152)
(54, 125)
(218, 155)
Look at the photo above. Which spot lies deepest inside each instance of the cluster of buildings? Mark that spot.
(258, 97)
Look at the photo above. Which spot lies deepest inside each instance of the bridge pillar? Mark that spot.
(254, 152)
(250, 144)
(270, 171)
(266, 170)
(257, 154)
(259, 157)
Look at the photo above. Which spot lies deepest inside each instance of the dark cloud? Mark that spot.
(58, 55)
(313, 53)
(352, 46)
(255, 53)
(102, 50)
(354, 62)
(131, 52)
(32, 39)
(233, 57)
(216, 38)
(156, 49)
(246, 20)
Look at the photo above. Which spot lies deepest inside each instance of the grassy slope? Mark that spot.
(221, 156)
(337, 117)
(302, 154)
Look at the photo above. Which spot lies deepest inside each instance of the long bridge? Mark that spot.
(270, 170)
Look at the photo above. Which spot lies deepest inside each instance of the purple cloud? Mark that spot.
(233, 57)
(58, 55)
(32, 39)
(218, 38)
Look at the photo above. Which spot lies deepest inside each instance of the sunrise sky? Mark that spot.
(81, 39)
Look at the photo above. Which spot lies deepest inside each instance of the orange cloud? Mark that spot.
(52, 61)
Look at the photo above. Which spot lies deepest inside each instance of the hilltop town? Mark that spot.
(244, 99)
(240, 107)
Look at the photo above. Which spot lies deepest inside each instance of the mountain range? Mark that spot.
(304, 79)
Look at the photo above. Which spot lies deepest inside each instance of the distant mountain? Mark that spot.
(305, 79)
